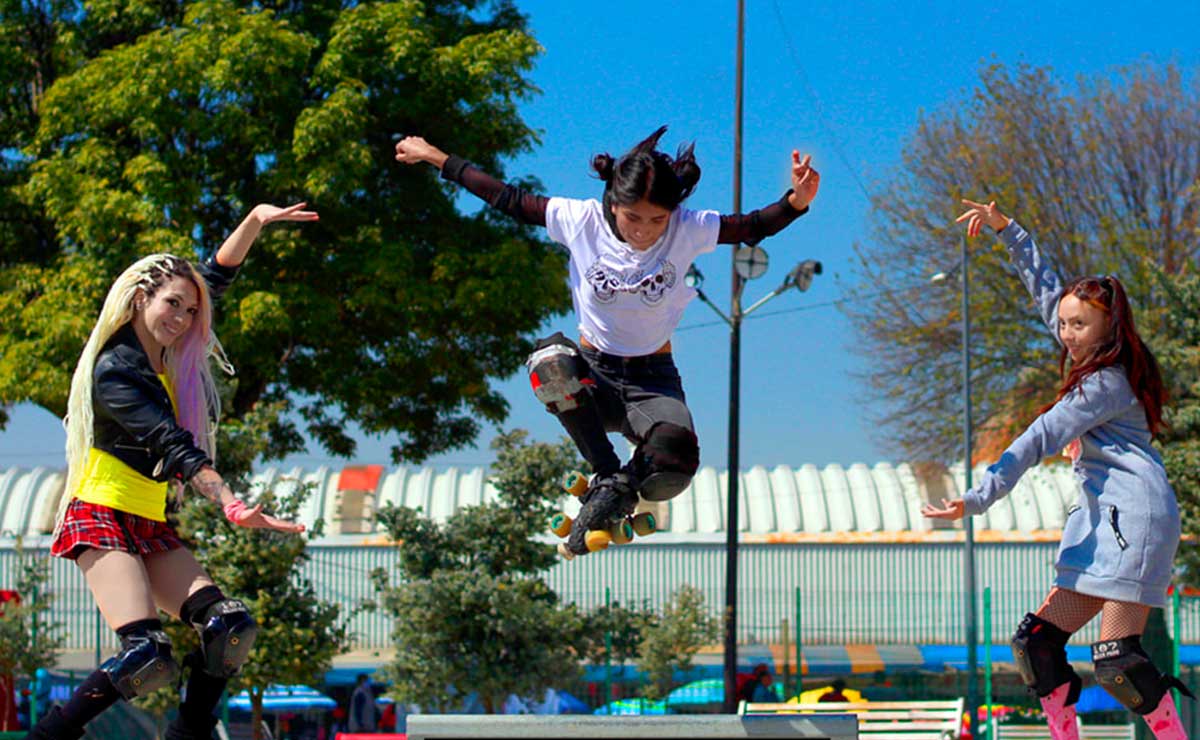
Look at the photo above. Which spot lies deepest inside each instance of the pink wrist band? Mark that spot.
(234, 511)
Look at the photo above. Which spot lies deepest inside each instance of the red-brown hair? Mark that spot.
(1121, 345)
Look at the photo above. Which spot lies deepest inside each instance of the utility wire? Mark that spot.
(806, 307)
(818, 108)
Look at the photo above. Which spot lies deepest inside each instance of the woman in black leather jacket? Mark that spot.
(141, 420)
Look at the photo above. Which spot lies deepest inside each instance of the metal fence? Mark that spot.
(853, 593)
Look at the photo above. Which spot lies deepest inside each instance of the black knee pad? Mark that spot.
(227, 633)
(1125, 670)
(558, 374)
(666, 461)
(144, 664)
(1040, 652)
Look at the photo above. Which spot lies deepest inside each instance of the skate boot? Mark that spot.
(608, 501)
(54, 727)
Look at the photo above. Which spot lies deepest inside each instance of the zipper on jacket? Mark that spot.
(134, 448)
(1113, 516)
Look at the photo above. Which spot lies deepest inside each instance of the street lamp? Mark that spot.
(799, 278)
(968, 521)
(749, 263)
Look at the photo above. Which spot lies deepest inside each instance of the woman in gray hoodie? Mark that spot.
(1119, 540)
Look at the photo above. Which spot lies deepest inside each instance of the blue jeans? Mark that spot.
(629, 395)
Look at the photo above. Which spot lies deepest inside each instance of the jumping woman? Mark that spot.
(629, 252)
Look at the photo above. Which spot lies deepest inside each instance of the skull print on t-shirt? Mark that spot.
(650, 285)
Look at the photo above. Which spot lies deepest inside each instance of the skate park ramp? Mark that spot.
(694, 727)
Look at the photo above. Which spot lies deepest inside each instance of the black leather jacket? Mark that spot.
(133, 418)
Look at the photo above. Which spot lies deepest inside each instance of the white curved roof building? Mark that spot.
(867, 503)
(839, 553)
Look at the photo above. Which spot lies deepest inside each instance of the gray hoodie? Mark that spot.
(1120, 537)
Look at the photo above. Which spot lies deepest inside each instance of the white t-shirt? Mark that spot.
(628, 301)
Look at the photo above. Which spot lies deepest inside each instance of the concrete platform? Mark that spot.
(568, 727)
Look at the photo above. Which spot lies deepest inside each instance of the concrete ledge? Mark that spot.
(568, 727)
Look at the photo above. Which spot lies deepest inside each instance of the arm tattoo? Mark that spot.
(210, 489)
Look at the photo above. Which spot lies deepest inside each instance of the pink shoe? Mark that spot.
(1060, 716)
(1164, 721)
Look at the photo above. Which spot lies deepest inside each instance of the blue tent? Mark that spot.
(560, 702)
(633, 707)
(298, 698)
(708, 691)
(1096, 699)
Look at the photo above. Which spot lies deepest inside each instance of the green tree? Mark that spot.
(1177, 347)
(672, 639)
(1103, 173)
(130, 127)
(30, 639)
(472, 613)
(615, 633)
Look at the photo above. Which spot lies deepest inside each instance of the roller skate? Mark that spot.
(607, 516)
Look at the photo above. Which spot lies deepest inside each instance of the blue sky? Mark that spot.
(614, 71)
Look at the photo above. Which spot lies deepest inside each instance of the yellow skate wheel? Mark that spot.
(645, 524)
(597, 540)
(622, 534)
(575, 483)
(560, 524)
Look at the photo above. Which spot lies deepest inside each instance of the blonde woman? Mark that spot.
(141, 416)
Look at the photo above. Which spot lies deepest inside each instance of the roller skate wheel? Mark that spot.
(575, 483)
(567, 554)
(560, 524)
(645, 524)
(597, 539)
(621, 533)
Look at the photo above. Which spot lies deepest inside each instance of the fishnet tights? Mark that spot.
(1070, 610)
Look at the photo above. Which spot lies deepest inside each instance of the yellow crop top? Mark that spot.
(109, 482)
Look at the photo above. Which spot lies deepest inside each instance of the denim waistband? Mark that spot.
(596, 357)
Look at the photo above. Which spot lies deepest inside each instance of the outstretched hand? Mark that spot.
(979, 214)
(954, 508)
(805, 181)
(243, 516)
(266, 213)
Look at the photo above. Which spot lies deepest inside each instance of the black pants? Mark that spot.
(630, 395)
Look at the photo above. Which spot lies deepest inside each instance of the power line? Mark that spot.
(807, 307)
(818, 108)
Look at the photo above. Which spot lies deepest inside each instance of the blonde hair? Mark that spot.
(186, 362)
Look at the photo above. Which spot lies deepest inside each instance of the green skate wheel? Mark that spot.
(645, 524)
(621, 533)
(575, 483)
(560, 524)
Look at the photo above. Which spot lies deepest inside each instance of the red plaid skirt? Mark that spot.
(92, 525)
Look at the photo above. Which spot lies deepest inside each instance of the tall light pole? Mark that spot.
(748, 263)
(972, 615)
(968, 522)
(735, 369)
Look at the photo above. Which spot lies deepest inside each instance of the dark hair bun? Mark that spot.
(686, 168)
(603, 165)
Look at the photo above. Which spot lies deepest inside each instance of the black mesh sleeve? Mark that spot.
(516, 202)
(753, 227)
